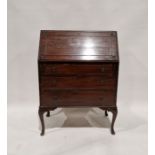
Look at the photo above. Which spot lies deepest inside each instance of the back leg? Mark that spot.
(48, 114)
(106, 113)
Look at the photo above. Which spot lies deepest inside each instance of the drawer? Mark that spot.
(83, 82)
(77, 98)
(75, 68)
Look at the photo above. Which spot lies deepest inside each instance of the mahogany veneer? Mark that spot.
(78, 69)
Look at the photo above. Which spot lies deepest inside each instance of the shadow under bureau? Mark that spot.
(78, 69)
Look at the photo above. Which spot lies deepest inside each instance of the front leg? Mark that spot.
(114, 112)
(41, 116)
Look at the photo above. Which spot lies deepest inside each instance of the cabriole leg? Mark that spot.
(114, 112)
(41, 116)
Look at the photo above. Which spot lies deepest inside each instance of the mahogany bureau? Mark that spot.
(78, 69)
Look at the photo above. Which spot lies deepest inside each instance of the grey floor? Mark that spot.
(77, 131)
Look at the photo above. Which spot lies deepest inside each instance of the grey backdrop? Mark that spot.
(26, 18)
(89, 127)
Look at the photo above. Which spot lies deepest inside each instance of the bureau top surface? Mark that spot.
(78, 46)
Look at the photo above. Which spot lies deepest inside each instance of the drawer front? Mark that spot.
(82, 82)
(71, 69)
(77, 98)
